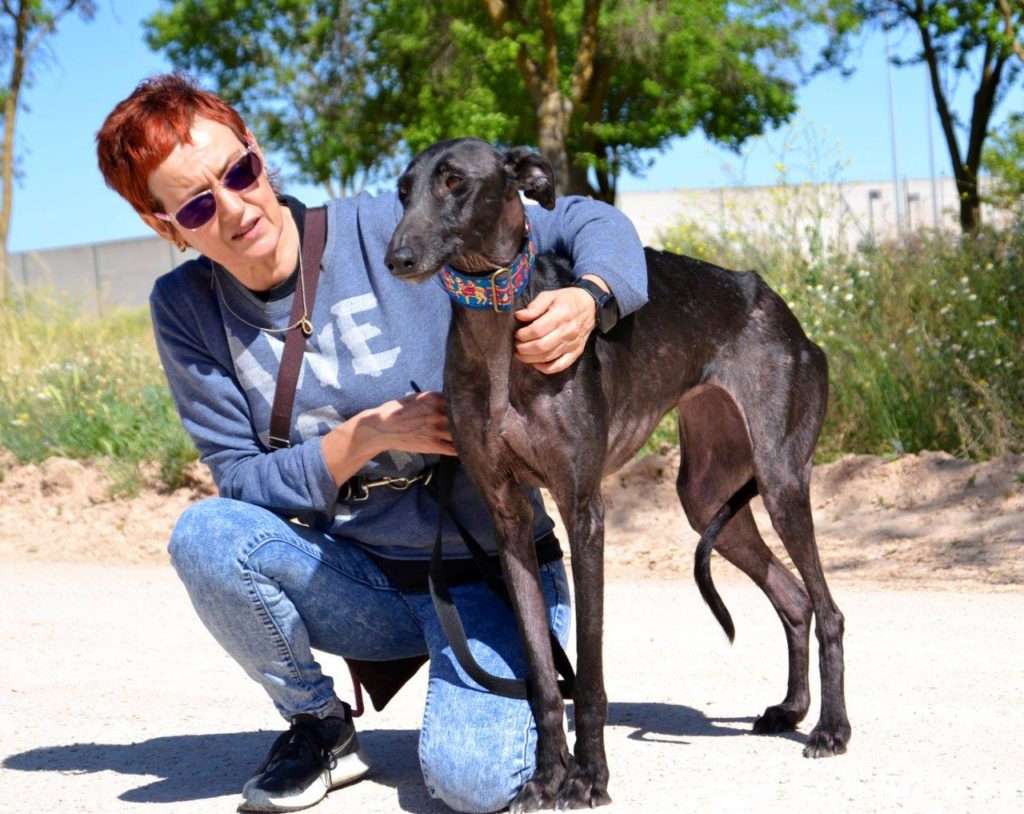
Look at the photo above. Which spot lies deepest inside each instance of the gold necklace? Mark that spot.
(304, 322)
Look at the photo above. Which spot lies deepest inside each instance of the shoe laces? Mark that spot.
(302, 735)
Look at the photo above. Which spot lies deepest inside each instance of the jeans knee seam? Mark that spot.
(274, 630)
(274, 537)
(285, 652)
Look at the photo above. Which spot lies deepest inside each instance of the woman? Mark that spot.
(348, 578)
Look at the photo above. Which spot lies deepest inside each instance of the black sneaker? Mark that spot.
(313, 757)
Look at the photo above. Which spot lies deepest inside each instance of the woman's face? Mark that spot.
(244, 233)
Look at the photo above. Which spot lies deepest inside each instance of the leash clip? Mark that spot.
(357, 489)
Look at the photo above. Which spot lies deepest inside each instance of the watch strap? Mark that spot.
(605, 300)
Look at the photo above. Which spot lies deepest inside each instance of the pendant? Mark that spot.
(306, 326)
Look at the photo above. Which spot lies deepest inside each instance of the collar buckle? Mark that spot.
(501, 298)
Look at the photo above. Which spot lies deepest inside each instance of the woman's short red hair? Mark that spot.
(146, 127)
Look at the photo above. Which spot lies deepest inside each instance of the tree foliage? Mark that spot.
(975, 41)
(24, 27)
(298, 72)
(1004, 160)
(342, 85)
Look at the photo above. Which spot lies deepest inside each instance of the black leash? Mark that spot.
(440, 488)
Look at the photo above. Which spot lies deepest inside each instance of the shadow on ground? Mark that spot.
(673, 723)
(200, 767)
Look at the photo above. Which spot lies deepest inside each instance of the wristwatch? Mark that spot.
(607, 307)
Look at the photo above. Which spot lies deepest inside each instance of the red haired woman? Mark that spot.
(314, 545)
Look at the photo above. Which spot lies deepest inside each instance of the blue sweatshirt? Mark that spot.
(374, 336)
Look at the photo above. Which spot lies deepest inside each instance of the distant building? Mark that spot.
(853, 212)
(106, 275)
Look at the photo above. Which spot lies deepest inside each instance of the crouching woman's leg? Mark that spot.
(269, 591)
(477, 749)
(215, 548)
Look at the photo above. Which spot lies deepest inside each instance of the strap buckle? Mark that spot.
(279, 443)
(497, 300)
(357, 489)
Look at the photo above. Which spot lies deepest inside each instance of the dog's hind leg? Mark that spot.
(715, 461)
(783, 446)
(741, 544)
(787, 499)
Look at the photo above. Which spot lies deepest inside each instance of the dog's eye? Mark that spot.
(453, 181)
(403, 191)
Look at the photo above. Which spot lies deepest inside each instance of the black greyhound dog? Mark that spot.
(719, 347)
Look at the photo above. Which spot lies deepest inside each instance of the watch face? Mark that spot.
(607, 309)
(607, 313)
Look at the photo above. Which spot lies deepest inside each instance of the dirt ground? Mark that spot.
(924, 521)
(113, 698)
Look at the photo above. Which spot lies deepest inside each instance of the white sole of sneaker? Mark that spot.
(348, 769)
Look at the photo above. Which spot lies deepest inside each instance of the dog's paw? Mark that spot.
(825, 741)
(779, 718)
(536, 794)
(583, 788)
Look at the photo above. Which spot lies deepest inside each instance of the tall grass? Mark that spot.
(923, 333)
(84, 387)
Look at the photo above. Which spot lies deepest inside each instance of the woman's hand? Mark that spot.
(416, 423)
(560, 324)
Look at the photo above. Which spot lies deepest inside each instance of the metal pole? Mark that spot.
(892, 137)
(931, 151)
(96, 278)
(873, 195)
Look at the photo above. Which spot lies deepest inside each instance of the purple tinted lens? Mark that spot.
(243, 173)
(197, 211)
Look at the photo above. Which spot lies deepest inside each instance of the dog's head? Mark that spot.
(461, 206)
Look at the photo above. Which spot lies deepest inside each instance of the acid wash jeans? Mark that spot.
(271, 591)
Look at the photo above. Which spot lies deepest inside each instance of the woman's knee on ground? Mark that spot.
(467, 778)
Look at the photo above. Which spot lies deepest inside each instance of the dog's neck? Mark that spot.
(483, 340)
(500, 244)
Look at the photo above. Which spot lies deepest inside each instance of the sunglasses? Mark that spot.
(198, 211)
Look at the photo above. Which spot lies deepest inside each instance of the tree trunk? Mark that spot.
(7, 148)
(579, 182)
(552, 119)
(553, 107)
(965, 169)
(970, 204)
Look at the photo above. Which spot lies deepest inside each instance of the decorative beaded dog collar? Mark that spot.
(497, 291)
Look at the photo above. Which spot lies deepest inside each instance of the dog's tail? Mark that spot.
(702, 559)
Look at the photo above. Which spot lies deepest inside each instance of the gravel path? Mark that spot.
(114, 699)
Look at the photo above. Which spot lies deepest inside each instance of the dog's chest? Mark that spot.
(516, 441)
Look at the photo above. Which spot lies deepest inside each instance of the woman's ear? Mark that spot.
(165, 229)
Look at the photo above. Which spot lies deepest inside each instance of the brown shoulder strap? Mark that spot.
(313, 241)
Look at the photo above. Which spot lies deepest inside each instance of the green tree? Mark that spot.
(24, 27)
(297, 70)
(1004, 160)
(960, 40)
(595, 85)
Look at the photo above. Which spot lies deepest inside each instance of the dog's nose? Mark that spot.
(402, 257)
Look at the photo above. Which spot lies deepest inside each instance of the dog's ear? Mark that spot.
(532, 174)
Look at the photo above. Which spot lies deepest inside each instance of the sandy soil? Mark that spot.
(927, 520)
(114, 698)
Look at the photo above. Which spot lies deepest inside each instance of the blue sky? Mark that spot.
(60, 200)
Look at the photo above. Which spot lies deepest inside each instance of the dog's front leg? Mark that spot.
(514, 525)
(586, 785)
